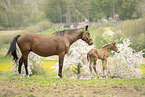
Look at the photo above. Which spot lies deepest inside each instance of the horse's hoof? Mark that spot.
(60, 76)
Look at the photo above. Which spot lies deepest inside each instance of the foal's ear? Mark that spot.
(86, 28)
(114, 43)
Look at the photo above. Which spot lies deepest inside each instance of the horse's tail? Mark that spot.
(88, 56)
(12, 49)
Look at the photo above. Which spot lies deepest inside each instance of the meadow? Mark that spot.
(50, 85)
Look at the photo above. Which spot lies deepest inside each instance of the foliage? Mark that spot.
(39, 27)
(34, 66)
(140, 9)
(92, 10)
(134, 29)
(106, 36)
(123, 65)
(22, 13)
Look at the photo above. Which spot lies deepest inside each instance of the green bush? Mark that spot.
(104, 36)
(39, 27)
(134, 29)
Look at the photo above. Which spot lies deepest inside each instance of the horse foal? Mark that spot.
(103, 53)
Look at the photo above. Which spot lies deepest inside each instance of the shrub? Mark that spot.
(125, 64)
(39, 27)
(133, 29)
(122, 65)
(34, 65)
(105, 36)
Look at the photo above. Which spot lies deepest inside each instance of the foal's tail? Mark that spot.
(12, 49)
(88, 56)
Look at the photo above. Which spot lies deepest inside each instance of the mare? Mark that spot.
(57, 43)
(102, 54)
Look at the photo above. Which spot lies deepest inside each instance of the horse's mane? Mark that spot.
(60, 32)
(63, 31)
(107, 45)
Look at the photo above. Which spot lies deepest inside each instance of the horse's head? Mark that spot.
(114, 47)
(86, 36)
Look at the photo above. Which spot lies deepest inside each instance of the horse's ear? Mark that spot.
(86, 28)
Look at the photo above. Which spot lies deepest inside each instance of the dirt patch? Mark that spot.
(12, 89)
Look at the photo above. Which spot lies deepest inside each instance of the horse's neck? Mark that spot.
(75, 36)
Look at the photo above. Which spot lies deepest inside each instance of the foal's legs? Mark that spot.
(104, 64)
(94, 67)
(61, 58)
(90, 67)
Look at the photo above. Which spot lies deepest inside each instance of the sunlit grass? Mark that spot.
(47, 64)
(142, 69)
(5, 64)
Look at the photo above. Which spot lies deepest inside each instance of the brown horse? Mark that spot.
(102, 54)
(57, 43)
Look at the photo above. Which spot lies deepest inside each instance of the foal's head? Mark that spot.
(114, 47)
(86, 36)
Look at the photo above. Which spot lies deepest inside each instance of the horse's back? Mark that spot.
(43, 45)
(97, 53)
(25, 41)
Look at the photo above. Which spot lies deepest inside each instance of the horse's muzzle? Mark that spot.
(90, 43)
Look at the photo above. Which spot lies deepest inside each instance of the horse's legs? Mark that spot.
(94, 67)
(61, 58)
(22, 60)
(26, 64)
(20, 64)
(26, 61)
(104, 64)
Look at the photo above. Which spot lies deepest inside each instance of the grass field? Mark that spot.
(50, 85)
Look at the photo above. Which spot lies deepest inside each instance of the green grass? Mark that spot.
(41, 84)
(43, 80)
